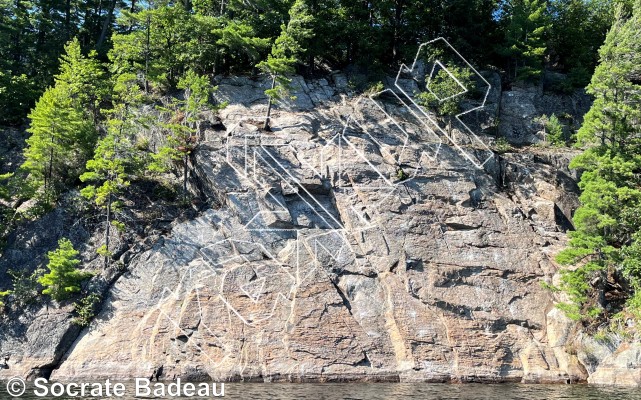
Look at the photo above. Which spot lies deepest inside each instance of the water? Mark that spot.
(385, 391)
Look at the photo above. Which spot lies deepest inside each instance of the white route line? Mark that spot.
(256, 154)
(406, 69)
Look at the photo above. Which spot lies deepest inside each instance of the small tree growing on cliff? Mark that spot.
(63, 278)
(2, 296)
(279, 66)
(443, 94)
(286, 53)
(107, 170)
(184, 126)
(552, 129)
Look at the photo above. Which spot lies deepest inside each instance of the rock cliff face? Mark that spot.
(348, 243)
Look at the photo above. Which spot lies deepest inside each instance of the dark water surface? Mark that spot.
(384, 391)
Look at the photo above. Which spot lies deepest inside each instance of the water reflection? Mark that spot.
(386, 391)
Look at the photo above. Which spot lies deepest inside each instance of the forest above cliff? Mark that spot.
(117, 114)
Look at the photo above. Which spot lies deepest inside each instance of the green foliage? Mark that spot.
(17, 94)
(502, 145)
(525, 44)
(184, 126)
(161, 40)
(571, 310)
(60, 138)
(103, 251)
(120, 227)
(300, 29)
(86, 309)
(286, 52)
(444, 89)
(25, 286)
(63, 278)
(634, 304)
(2, 296)
(4, 189)
(578, 29)
(609, 219)
(83, 77)
(280, 66)
(374, 88)
(553, 129)
(401, 175)
(198, 90)
(62, 131)
(33, 35)
(237, 46)
(165, 40)
(115, 158)
(107, 168)
(549, 287)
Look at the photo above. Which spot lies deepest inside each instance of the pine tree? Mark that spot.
(237, 46)
(609, 219)
(286, 53)
(62, 132)
(163, 41)
(63, 278)
(107, 170)
(525, 44)
(60, 136)
(83, 76)
(114, 156)
(184, 127)
(301, 28)
(445, 93)
(577, 31)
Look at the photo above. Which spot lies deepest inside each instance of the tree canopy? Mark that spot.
(607, 239)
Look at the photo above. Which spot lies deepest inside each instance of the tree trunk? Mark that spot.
(67, 20)
(108, 230)
(269, 106)
(147, 55)
(397, 23)
(448, 128)
(49, 173)
(132, 9)
(105, 25)
(185, 175)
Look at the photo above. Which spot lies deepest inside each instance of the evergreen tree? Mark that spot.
(237, 46)
(114, 156)
(445, 92)
(184, 127)
(83, 77)
(163, 42)
(606, 240)
(62, 132)
(63, 278)
(301, 29)
(577, 31)
(525, 44)
(286, 53)
(552, 129)
(471, 27)
(60, 136)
